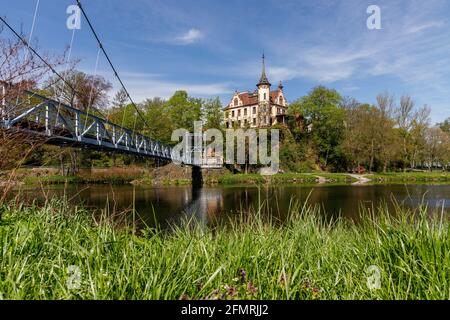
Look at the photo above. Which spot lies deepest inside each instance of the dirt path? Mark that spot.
(361, 179)
(321, 180)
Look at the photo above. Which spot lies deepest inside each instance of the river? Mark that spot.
(169, 204)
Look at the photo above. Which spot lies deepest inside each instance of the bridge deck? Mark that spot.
(64, 125)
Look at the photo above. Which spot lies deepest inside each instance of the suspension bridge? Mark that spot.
(59, 123)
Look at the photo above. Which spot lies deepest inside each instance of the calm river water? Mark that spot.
(170, 204)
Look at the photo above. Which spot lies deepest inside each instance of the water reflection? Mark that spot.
(209, 204)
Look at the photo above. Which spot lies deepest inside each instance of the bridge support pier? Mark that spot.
(197, 177)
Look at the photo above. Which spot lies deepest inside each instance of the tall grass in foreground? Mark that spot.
(249, 258)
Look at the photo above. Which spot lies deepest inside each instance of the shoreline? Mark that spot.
(146, 177)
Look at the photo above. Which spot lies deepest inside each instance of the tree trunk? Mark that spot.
(61, 160)
(371, 157)
(385, 165)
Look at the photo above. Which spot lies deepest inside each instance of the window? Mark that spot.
(265, 96)
(239, 123)
(254, 110)
(236, 102)
(254, 121)
(281, 100)
(245, 111)
(232, 113)
(239, 112)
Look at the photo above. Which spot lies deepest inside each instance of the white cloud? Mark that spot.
(143, 86)
(422, 27)
(192, 36)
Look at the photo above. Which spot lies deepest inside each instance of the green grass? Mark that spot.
(52, 179)
(296, 178)
(119, 178)
(58, 179)
(410, 177)
(241, 179)
(250, 257)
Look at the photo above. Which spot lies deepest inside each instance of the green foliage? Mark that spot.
(251, 257)
(323, 125)
(445, 126)
(392, 177)
(157, 116)
(183, 110)
(212, 114)
(324, 131)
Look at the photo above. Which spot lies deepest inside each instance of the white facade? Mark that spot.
(261, 108)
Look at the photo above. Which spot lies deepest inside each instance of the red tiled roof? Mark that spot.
(273, 96)
(251, 98)
(248, 99)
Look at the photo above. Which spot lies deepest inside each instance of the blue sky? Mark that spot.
(212, 48)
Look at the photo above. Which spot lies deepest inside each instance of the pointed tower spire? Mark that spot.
(263, 80)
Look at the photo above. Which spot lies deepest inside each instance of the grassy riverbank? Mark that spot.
(437, 176)
(172, 175)
(250, 258)
(296, 178)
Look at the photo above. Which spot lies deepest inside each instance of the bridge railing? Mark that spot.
(64, 124)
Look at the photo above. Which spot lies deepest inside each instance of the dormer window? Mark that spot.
(265, 96)
(236, 102)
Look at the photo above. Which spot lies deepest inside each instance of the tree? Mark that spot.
(120, 99)
(183, 110)
(323, 123)
(420, 123)
(80, 90)
(157, 115)
(20, 70)
(85, 92)
(212, 113)
(361, 136)
(437, 148)
(445, 126)
(387, 139)
(411, 125)
(404, 119)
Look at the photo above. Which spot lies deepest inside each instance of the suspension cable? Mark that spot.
(51, 68)
(25, 42)
(110, 62)
(67, 62)
(92, 85)
(29, 40)
(65, 75)
(32, 26)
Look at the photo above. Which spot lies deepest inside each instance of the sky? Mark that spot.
(212, 48)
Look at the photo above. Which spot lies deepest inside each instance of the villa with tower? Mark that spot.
(260, 108)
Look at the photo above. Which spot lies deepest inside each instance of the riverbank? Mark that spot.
(172, 175)
(437, 176)
(50, 176)
(57, 252)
